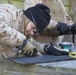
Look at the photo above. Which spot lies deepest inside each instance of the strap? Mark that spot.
(20, 48)
(73, 39)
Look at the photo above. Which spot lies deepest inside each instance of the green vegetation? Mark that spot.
(17, 3)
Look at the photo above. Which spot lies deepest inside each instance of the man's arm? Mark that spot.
(9, 35)
(48, 48)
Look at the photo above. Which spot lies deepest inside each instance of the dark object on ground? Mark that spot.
(40, 59)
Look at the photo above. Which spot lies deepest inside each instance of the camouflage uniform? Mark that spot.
(13, 24)
(11, 30)
(57, 14)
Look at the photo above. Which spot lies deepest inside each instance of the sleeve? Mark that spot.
(52, 24)
(30, 3)
(52, 28)
(10, 36)
(38, 45)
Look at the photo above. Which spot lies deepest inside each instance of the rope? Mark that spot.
(72, 54)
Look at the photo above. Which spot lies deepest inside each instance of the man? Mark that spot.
(33, 20)
(12, 38)
(41, 22)
(57, 13)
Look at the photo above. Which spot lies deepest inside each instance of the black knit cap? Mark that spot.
(39, 15)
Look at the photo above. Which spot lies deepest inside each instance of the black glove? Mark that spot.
(50, 49)
(73, 28)
(63, 28)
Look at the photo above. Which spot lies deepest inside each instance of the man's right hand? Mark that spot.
(29, 50)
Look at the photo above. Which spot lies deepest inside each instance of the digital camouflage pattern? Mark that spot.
(13, 23)
(11, 30)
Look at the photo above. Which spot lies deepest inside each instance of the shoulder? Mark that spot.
(8, 6)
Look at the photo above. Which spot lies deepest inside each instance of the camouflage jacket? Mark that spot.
(11, 30)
